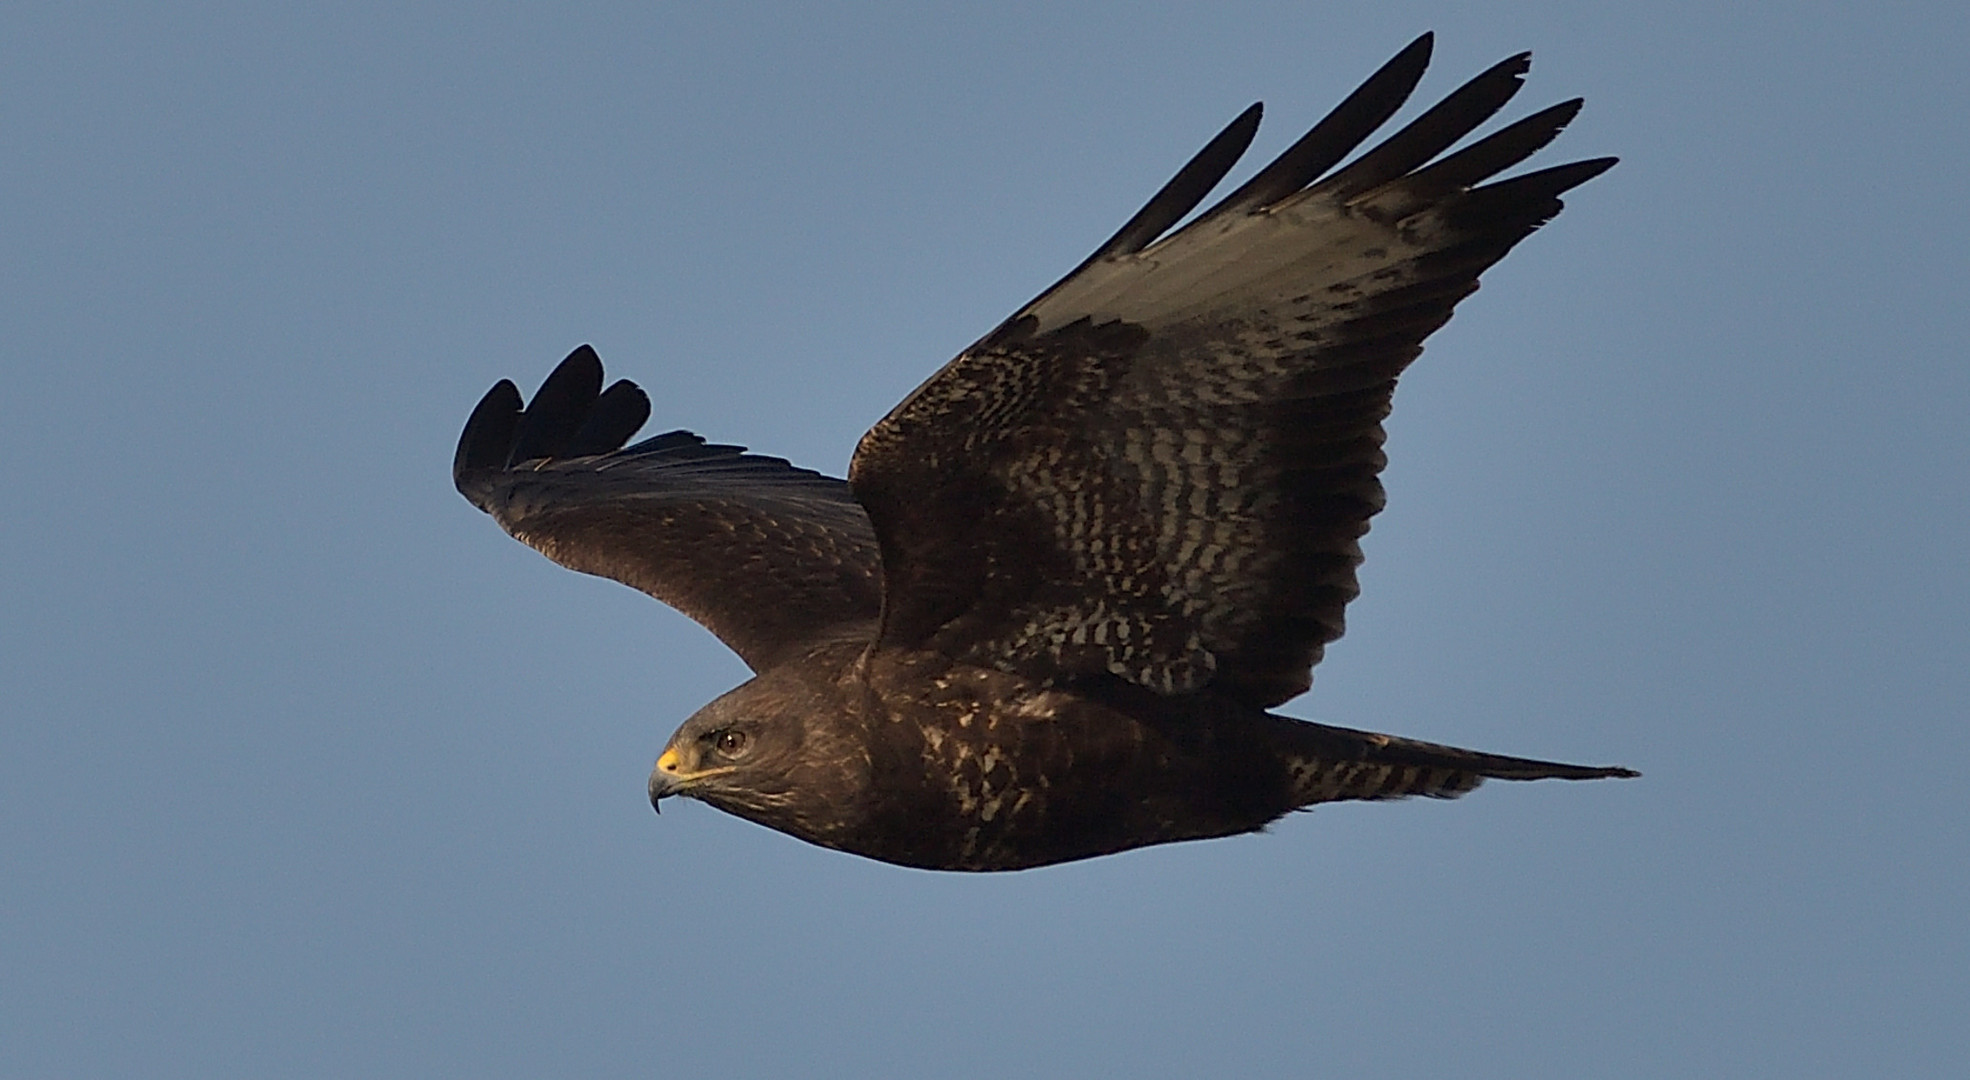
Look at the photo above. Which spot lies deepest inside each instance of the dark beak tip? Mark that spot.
(661, 787)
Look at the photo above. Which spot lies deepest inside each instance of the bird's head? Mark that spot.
(750, 752)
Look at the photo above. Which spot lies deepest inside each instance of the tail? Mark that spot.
(1331, 764)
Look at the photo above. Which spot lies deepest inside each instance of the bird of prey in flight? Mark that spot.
(1047, 613)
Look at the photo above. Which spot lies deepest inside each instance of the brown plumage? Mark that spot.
(1046, 615)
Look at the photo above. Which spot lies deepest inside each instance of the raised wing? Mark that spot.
(769, 557)
(1160, 468)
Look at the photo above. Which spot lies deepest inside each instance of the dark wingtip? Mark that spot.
(615, 416)
(1423, 138)
(1496, 152)
(1337, 133)
(487, 436)
(1525, 201)
(1186, 189)
(1417, 51)
(1603, 164)
(581, 368)
(558, 407)
(1404, 69)
(569, 416)
(582, 358)
(1563, 178)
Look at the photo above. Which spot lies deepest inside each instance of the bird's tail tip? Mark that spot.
(1341, 764)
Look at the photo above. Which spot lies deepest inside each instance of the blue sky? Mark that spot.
(306, 770)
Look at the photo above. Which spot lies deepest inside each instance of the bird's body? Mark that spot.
(1048, 614)
(923, 761)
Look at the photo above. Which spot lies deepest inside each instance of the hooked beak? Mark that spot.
(664, 780)
(670, 777)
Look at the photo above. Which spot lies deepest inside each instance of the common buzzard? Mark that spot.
(1044, 617)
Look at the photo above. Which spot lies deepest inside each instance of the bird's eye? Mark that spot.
(731, 743)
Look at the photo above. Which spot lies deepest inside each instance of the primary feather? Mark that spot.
(1070, 572)
(1178, 445)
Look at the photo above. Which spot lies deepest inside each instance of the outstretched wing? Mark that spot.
(1161, 467)
(769, 557)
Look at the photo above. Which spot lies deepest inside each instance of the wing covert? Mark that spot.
(1160, 469)
(769, 557)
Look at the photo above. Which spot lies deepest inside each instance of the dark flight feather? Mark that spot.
(1433, 132)
(1186, 189)
(1337, 134)
(1077, 565)
(769, 557)
(1177, 449)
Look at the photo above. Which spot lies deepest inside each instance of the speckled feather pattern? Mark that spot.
(1045, 618)
(769, 557)
(1190, 497)
(1177, 447)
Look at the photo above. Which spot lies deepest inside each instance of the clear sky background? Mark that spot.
(306, 770)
